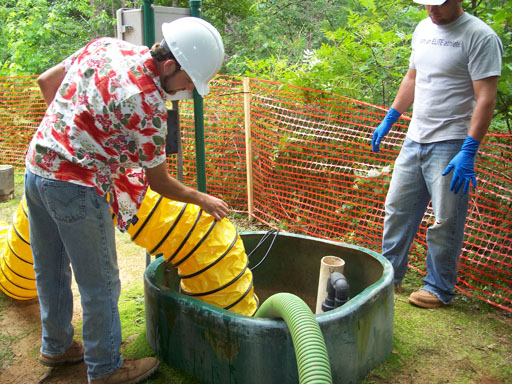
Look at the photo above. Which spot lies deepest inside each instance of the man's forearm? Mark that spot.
(485, 93)
(405, 95)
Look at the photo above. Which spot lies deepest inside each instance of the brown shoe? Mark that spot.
(398, 288)
(425, 299)
(131, 372)
(73, 355)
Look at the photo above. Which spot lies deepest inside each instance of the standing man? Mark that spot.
(99, 146)
(452, 80)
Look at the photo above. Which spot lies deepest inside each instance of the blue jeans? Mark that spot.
(72, 224)
(417, 180)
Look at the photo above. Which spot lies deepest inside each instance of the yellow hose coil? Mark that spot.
(209, 255)
(17, 278)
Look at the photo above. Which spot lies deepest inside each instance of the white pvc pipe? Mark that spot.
(328, 265)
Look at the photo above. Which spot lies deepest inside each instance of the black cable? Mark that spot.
(274, 232)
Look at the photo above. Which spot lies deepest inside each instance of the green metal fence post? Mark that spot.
(149, 39)
(149, 23)
(195, 11)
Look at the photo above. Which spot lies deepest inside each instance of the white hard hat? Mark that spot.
(198, 48)
(430, 2)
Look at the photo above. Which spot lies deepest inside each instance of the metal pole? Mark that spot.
(149, 39)
(195, 11)
(149, 23)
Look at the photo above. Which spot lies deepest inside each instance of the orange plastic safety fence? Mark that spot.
(224, 142)
(21, 110)
(313, 172)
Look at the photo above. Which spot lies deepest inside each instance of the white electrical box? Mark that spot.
(130, 22)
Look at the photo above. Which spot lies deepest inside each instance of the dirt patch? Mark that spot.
(20, 324)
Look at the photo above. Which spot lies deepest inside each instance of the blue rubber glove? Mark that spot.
(384, 127)
(463, 165)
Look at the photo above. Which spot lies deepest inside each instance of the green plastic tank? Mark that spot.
(220, 347)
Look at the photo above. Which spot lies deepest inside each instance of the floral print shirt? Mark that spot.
(106, 123)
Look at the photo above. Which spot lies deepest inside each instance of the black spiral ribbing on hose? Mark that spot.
(213, 263)
(170, 229)
(217, 289)
(186, 237)
(147, 218)
(243, 296)
(18, 257)
(16, 285)
(197, 245)
(185, 258)
(262, 240)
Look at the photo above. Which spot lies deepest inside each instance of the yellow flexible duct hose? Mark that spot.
(17, 278)
(209, 255)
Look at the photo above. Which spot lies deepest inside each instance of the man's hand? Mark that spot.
(463, 165)
(384, 127)
(161, 182)
(215, 207)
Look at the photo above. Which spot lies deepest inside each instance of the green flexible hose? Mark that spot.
(308, 341)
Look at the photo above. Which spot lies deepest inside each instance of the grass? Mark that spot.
(469, 342)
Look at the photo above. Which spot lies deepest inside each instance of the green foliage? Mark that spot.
(280, 30)
(217, 12)
(498, 14)
(37, 34)
(354, 48)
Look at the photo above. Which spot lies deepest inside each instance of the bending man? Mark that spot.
(104, 135)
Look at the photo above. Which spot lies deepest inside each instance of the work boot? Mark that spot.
(73, 355)
(425, 299)
(398, 288)
(131, 372)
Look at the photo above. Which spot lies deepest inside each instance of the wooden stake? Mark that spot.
(248, 145)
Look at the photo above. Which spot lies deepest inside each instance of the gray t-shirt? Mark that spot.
(447, 59)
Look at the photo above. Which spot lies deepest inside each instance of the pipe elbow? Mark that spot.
(341, 289)
(338, 292)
